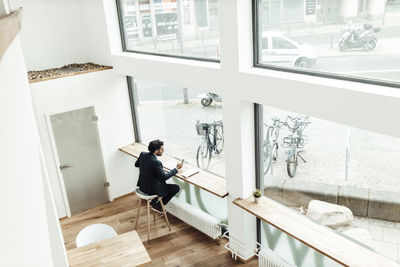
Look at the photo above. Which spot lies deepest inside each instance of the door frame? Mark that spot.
(47, 115)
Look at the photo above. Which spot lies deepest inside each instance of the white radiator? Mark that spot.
(267, 258)
(195, 217)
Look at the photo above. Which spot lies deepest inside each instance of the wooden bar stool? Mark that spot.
(149, 198)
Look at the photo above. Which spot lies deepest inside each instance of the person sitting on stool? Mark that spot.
(152, 176)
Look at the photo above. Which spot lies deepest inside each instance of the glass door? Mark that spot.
(81, 162)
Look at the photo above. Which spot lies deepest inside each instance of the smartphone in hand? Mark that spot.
(180, 164)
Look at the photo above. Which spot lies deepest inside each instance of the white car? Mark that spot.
(279, 49)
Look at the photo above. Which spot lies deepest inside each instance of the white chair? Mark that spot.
(94, 233)
(148, 199)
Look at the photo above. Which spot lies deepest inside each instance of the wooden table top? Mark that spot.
(205, 180)
(318, 237)
(123, 250)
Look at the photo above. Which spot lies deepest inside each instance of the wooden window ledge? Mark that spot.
(205, 180)
(318, 237)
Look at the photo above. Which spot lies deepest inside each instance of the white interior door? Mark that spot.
(77, 141)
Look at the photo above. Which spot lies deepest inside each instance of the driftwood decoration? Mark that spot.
(10, 25)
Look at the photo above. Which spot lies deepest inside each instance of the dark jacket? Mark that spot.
(152, 176)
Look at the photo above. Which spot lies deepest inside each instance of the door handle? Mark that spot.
(66, 166)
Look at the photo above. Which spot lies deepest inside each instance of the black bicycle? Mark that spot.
(212, 141)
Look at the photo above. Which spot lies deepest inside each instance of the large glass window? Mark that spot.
(354, 40)
(307, 159)
(183, 28)
(190, 124)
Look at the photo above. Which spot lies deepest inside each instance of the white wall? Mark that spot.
(53, 33)
(57, 32)
(58, 251)
(376, 8)
(349, 9)
(98, 48)
(108, 92)
(26, 239)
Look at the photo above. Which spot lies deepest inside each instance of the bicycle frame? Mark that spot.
(213, 143)
(271, 143)
(295, 140)
(209, 145)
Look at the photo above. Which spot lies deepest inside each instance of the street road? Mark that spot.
(328, 38)
(381, 66)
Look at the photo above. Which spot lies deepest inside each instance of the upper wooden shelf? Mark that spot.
(65, 71)
(205, 180)
(318, 237)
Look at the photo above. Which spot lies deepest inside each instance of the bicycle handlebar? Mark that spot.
(298, 122)
(210, 123)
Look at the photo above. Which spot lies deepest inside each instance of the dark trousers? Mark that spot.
(170, 192)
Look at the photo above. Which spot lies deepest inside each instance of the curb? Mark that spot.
(364, 202)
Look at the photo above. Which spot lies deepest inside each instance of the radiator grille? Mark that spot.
(195, 217)
(267, 258)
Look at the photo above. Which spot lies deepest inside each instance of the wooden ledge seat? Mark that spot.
(205, 180)
(318, 237)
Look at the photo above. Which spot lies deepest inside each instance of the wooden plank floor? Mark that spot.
(183, 246)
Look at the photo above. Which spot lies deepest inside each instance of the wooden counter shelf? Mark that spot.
(205, 180)
(331, 244)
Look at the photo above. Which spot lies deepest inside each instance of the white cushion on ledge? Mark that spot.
(329, 214)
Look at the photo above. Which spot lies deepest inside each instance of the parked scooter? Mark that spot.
(365, 39)
(207, 99)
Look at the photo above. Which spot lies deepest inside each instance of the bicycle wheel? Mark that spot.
(206, 101)
(291, 165)
(268, 151)
(219, 138)
(203, 157)
(275, 152)
(267, 157)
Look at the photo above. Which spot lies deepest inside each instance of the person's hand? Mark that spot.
(179, 166)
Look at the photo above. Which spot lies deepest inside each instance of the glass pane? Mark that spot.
(374, 160)
(351, 172)
(171, 27)
(190, 124)
(353, 39)
(280, 43)
(265, 43)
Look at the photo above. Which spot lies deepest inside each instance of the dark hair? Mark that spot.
(155, 145)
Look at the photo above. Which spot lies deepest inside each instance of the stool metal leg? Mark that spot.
(165, 213)
(138, 212)
(148, 220)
